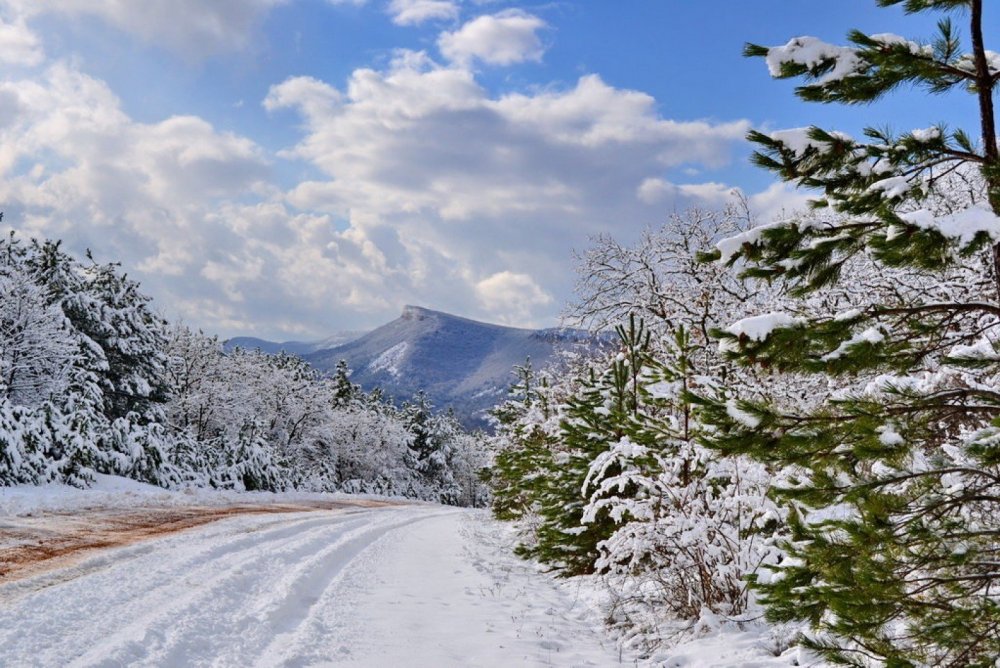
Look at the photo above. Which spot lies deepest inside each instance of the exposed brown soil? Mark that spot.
(31, 545)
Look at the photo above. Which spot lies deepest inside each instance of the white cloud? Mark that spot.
(451, 194)
(653, 190)
(415, 12)
(779, 200)
(193, 28)
(74, 166)
(428, 190)
(188, 210)
(18, 44)
(511, 297)
(505, 38)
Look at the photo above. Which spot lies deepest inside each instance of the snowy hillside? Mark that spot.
(459, 363)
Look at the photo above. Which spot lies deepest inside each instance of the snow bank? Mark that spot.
(113, 492)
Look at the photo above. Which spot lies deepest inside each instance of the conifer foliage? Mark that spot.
(893, 484)
(600, 461)
(92, 381)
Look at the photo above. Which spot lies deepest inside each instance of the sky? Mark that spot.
(293, 168)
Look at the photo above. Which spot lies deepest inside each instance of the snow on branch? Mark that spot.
(815, 55)
(759, 327)
(963, 226)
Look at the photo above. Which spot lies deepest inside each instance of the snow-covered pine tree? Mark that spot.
(25, 441)
(603, 411)
(80, 345)
(525, 451)
(894, 485)
(122, 340)
(426, 444)
(689, 525)
(344, 391)
(37, 350)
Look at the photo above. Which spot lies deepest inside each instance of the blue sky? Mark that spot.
(289, 168)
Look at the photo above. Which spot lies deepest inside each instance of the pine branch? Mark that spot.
(957, 307)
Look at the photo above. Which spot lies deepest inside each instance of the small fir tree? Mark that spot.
(344, 391)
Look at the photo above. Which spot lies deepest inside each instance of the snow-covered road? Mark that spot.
(394, 586)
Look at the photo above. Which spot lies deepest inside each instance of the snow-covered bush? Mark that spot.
(690, 526)
(693, 531)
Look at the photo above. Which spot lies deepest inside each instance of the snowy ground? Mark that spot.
(406, 585)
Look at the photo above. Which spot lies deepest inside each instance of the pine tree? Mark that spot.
(419, 421)
(252, 462)
(121, 339)
(599, 415)
(36, 347)
(344, 391)
(516, 475)
(894, 485)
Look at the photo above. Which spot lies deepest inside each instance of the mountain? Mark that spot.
(291, 347)
(460, 363)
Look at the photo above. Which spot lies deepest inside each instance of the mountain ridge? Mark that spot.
(291, 347)
(460, 363)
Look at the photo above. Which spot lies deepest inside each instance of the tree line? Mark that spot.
(93, 381)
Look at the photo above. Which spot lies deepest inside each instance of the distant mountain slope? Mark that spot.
(459, 363)
(291, 347)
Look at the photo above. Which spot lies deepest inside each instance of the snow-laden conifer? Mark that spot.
(892, 482)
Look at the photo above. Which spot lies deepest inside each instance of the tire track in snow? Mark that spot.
(109, 558)
(52, 540)
(132, 589)
(253, 622)
(395, 586)
(210, 609)
(290, 636)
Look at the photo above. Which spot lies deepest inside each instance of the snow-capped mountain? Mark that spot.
(460, 363)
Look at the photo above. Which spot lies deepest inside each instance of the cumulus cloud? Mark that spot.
(779, 200)
(460, 198)
(191, 27)
(653, 190)
(74, 166)
(18, 44)
(511, 297)
(426, 189)
(508, 37)
(191, 211)
(415, 12)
